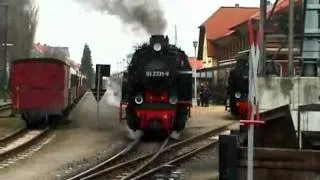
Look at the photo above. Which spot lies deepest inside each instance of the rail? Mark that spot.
(143, 159)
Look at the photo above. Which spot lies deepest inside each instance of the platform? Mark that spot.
(210, 117)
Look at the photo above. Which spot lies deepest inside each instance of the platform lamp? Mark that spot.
(195, 44)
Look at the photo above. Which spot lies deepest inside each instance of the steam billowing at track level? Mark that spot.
(113, 93)
(142, 14)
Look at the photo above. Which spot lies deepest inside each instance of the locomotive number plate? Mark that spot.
(157, 74)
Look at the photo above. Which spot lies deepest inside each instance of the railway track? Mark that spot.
(20, 141)
(5, 107)
(144, 165)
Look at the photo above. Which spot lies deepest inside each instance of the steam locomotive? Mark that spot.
(237, 90)
(157, 89)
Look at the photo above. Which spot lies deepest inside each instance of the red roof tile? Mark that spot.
(195, 63)
(219, 23)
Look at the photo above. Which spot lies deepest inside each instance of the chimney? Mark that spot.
(237, 5)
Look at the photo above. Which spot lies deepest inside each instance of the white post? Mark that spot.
(253, 101)
(98, 96)
(250, 149)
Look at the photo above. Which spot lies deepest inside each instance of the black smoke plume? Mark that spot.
(143, 14)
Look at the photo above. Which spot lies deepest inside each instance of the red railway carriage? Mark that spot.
(43, 87)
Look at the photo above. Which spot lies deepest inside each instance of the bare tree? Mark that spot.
(22, 25)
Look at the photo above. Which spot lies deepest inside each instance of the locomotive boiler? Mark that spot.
(157, 89)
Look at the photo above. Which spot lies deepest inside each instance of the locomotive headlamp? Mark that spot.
(237, 95)
(157, 46)
(173, 100)
(138, 99)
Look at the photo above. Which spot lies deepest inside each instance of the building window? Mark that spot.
(203, 74)
(198, 74)
(296, 71)
(279, 69)
(209, 74)
(246, 42)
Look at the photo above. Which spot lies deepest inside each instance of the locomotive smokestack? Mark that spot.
(142, 14)
(164, 41)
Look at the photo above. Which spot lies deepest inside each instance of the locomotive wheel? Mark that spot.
(181, 120)
(29, 123)
(132, 121)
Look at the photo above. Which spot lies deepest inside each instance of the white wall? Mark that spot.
(278, 91)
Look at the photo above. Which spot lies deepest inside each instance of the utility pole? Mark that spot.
(98, 95)
(263, 15)
(175, 35)
(291, 38)
(5, 56)
(195, 44)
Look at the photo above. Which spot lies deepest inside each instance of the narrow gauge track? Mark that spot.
(20, 141)
(149, 162)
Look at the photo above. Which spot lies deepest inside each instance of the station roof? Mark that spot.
(195, 63)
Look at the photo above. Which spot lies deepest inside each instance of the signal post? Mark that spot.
(103, 70)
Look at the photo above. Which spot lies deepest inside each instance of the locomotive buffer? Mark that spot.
(102, 70)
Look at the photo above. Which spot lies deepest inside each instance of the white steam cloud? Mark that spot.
(113, 93)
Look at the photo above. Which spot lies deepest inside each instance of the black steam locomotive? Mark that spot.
(238, 83)
(157, 88)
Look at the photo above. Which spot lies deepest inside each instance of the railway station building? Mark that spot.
(224, 36)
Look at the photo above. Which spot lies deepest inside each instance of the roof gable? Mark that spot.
(220, 22)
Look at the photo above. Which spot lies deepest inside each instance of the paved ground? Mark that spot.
(10, 125)
(205, 165)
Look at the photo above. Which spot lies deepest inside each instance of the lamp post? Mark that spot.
(195, 44)
(124, 64)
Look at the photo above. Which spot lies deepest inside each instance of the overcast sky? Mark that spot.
(66, 23)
